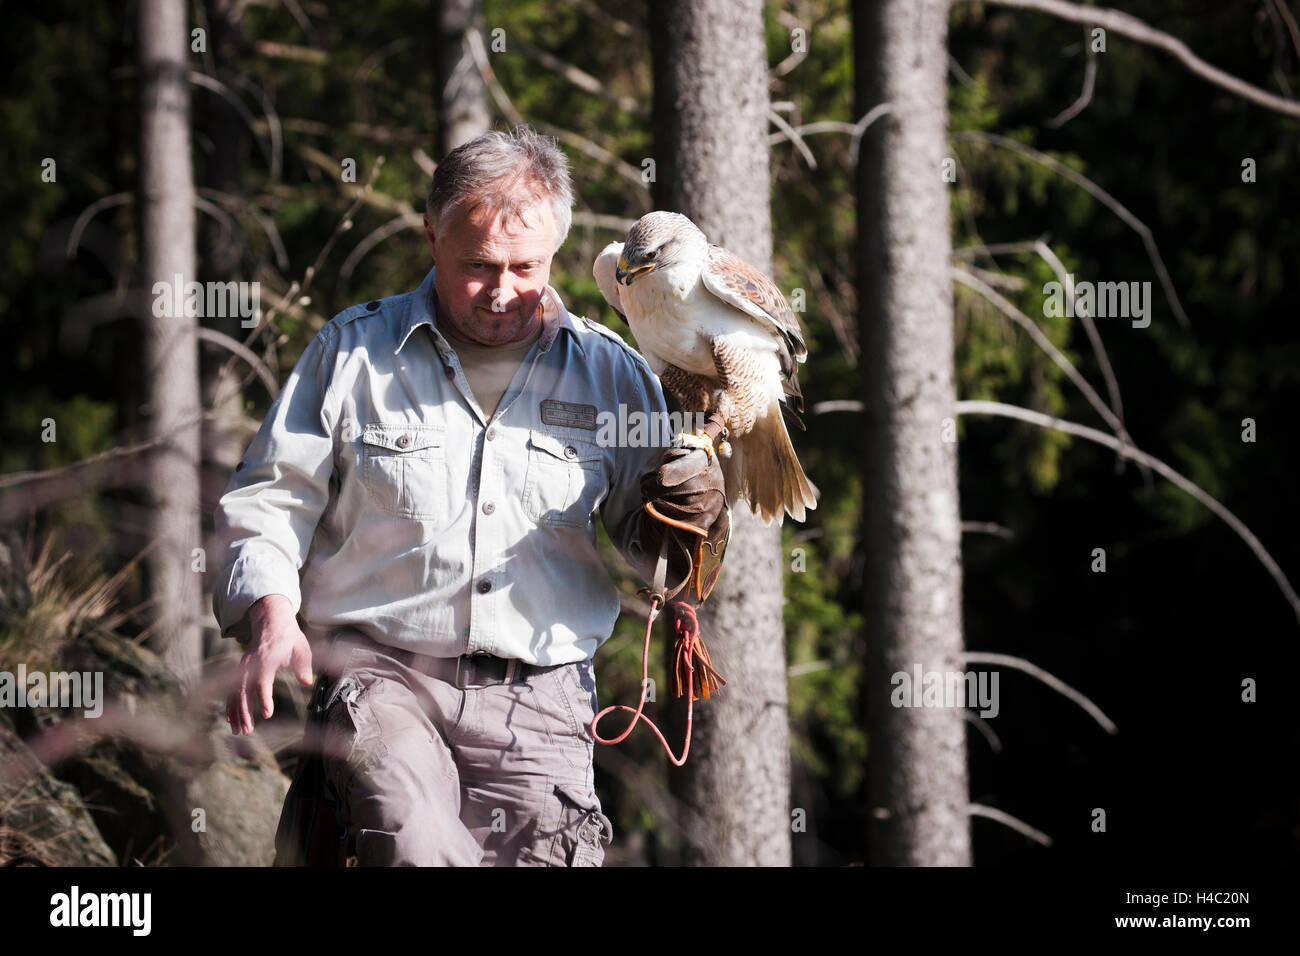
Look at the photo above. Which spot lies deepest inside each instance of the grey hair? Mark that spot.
(506, 173)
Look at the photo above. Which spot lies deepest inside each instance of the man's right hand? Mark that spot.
(276, 642)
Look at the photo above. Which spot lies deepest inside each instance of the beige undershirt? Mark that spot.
(491, 368)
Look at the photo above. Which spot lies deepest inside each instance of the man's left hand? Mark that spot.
(687, 487)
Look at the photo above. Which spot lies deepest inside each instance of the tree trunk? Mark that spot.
(460, 95)
(911, 528)
(166, 210)
(711, 155)
(223, 440)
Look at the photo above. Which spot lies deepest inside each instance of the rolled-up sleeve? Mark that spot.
(622, 511)
(267, 517)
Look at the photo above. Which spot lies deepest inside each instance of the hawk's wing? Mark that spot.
(736, 282)
(603, 272)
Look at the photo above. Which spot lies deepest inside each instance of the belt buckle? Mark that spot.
(512, 667)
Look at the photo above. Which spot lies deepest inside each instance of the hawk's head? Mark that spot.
(661, 240)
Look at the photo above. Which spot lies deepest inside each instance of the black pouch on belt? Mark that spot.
(309, 833)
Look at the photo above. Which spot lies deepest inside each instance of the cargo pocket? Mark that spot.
(582, 827)
(351, 741)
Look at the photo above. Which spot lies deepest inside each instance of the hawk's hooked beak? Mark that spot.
(624, 274)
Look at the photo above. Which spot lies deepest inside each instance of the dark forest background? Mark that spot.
(1160, 642)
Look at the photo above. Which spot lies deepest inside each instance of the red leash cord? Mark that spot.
(688, 628)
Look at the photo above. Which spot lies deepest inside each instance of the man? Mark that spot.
(419, 502)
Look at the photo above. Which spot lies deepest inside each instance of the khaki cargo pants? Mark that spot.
(431, 770)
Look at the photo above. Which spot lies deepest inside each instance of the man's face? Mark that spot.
(490, 277)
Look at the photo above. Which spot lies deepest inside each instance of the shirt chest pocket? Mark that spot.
(404, 469)
(565, 481)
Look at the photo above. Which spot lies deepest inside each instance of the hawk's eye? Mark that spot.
(652, 253)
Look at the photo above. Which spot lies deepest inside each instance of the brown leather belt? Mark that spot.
(465, 671)
(485, 670)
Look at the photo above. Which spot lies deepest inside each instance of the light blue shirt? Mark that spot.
(377, 496)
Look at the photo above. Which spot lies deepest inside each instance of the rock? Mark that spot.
(42, 820)
(240, 794)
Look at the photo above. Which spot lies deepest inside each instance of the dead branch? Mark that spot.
(405, 221)
(1130, 26)
(984, 727)
(986, 527)
(1058, 685)
(580, 78)
(244, 352)
(970, 407)
(793, 135)
(1006, 819)
(1111, 203)
(1085, 96)
(855, 130)
(1043, 342)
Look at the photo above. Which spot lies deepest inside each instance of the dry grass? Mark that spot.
(63, 604)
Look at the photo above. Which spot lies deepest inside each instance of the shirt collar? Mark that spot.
(423, 311)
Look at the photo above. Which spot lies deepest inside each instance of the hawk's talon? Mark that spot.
(689, 440)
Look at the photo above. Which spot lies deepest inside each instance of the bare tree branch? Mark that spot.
(212, 84)
(992, 813)
(972, 407)
(793, 135)
(837, 405)
(580, 143)
(244, 352)
(1099, 350)
(580, 78)
(290, 51)
(1111, 203)
(855, 130)
(597, 220)
(229, 200)
(957, 71)
(986, 527)
(1064, 364)
(1278, 72)
(1058, 685)
(89, 213)
(984, 727)
(1048, 421)
(16, 478)
(1085, 96)
(1291, 26)
(391, 228)
(997, 248)
(272, 123)
(479, 53)
(1130, 26)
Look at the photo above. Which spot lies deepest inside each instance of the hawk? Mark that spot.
(720, 336)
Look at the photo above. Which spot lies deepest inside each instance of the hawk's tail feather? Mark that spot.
(764, 470)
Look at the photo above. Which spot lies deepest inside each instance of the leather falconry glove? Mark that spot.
(686, 502)
(685, 513)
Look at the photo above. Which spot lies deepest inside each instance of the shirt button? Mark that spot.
(372, 306)
(484, 587)
(570, 451)
(491, 434)
(488, 507)
(451, 372)
(403, 441)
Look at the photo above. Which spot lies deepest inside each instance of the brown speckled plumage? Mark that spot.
(719, 333)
